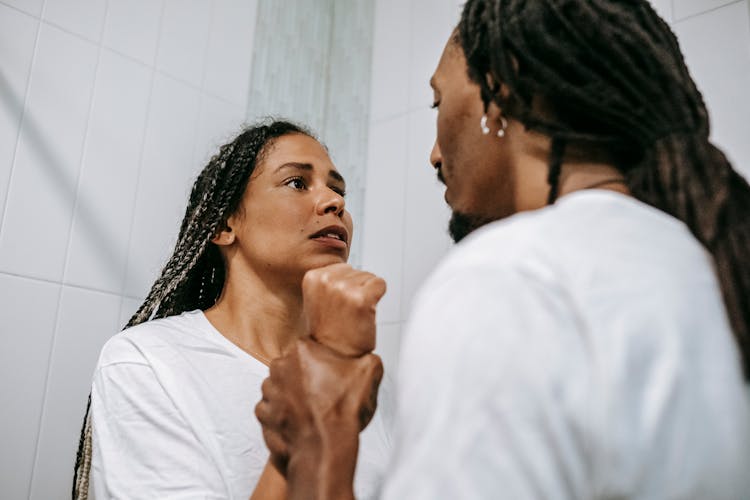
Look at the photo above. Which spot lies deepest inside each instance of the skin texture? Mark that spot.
(267, 250)
(487, 178)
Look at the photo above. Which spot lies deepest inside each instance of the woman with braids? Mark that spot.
(593, 342)
(171, 406)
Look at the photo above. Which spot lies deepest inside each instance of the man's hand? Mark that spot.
(315, 403)
(339, 304)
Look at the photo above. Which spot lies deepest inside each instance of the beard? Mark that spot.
(461, 225)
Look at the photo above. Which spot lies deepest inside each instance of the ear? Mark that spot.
(224, 237)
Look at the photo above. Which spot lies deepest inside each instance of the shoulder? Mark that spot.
(130, 345)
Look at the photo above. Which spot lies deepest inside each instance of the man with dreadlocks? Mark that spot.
(593, 342)
(171, 406)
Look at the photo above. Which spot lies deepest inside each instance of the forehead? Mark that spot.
(452, 64)
(296, 148)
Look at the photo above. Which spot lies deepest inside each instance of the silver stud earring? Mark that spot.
(503, 126)
(483, 125)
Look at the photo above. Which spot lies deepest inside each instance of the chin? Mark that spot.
(461, 224)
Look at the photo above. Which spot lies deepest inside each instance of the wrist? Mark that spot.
(323, 469)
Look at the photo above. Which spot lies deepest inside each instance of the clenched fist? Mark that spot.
(339, 303)
(315, 403)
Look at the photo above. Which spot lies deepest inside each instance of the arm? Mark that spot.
(271, 485)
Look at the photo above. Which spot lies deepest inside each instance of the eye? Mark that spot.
(340, 191)
(435, 105)
(296, 183)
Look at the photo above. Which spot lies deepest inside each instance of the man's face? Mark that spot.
(473, 166)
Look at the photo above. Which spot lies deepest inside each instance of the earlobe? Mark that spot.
(224, 237)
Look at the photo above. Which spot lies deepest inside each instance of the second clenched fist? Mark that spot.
(339, 303)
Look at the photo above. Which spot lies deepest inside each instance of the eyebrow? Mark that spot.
(432, 82)
(307, 167)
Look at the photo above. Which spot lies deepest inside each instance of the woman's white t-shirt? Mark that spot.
(172, 408)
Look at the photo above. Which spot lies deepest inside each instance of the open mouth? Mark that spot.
(332, 234)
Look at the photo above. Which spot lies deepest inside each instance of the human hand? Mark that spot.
(315, 403)
(339, 303)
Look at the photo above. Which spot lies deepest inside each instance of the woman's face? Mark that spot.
(292, 216)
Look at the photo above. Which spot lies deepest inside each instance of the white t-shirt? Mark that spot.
(173, 406)
(581, 351)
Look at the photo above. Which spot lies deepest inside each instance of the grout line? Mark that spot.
(13, 7)
(69, 285)
(698, 14)
(133, 205)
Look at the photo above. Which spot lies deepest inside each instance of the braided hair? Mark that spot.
(193, 277)
(608, 76)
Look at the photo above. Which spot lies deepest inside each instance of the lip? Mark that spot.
(333, 236)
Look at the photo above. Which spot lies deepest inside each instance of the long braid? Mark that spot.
(607, 76)
(193, 277)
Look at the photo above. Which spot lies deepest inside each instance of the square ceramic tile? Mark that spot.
(106, 195)
(33, 7)
(28, 309)
(230, 50)
(388, 346)
(82, 17)
(426, 237)
(431, 26)
(132, 28)
(86, 320)
(183, 39)
(383, 234)
(218, 124)
(166, 174)
(45, 176)
(687, 8)
(389, 90)
(716, 46)
(17, 39)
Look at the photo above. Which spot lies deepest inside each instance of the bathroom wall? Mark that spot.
(108, 108)
(405, 216)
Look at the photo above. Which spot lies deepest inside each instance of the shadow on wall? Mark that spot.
(68, 187)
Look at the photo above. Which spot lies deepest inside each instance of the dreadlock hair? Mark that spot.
(193, 277)
(608, 76)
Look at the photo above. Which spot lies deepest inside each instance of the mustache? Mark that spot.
(439, 172)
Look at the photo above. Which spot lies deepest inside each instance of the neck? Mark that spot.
(531, 152)
(261, 318)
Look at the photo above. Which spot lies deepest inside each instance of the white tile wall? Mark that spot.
(27, 309)
(389, 91)
(431, 25)
(85, 321)
(426, 215)
(82, 17)
(33, 7)
(382, 248)
(42, 191)
(720, 65)
(17, 38)
(132, 28)
(101, 223)
(167, 172)
(184, 39)
(686, 8)
(230, 46)
(388, 341)
(218, 123)
(79, 123)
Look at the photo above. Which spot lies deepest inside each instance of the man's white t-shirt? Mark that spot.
(581, 351)
(173, 416)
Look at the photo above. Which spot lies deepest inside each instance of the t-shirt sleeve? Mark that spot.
(142, 445)
(491, 392)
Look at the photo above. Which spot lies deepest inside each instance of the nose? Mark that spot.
(436, 157)
(331, 202)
